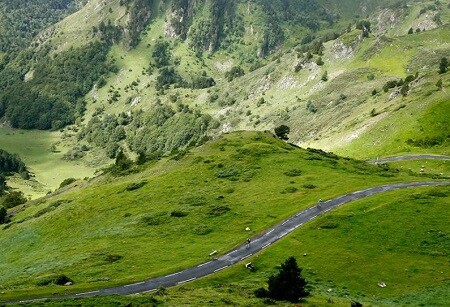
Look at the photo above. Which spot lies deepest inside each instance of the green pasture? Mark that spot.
(48, 168)
(194, 205)
(399, 238)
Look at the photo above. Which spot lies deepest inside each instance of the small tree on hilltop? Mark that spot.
(288, 284)
(282, 132)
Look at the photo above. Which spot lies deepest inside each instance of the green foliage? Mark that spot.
(320, 61)
(3, 185)
(178, 213)
(288, 284)
(429, 142)
(66, 182)
(167, 76)
(162, 130)
(364, 26)
(105, 131)
(11, 163)
(13, 199)
(309, 186)
(220, 27)
(155, 219)
(140, 13)
(282, 132)
(405, 89)
(122, 162)
(59, 280)
(311, 107)
(21, 20)
(234, 72)
(52, 98)
(443, 65)
(390, 84)
(230, 173)
(108, 33)
(3, 214)
(181, 22)
(308, 14)
(161, 53)
(136, 186)
(49, 208)
(113, 258)
(295, 172)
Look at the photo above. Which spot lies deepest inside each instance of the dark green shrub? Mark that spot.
(66, 182)
(261, 292)
(155, 219)
(282, 132)
(289, 190)
(309, 186)
(3, 214)
(230, 173)
(59, 280)
(136, 185)
(178, 214)
(13, 199)
(293, 172)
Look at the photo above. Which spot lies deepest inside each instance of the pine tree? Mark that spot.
(288, 284)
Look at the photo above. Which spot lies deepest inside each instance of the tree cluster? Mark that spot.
(21, 20)
(53, 97)
(11, 163)
(140, 13)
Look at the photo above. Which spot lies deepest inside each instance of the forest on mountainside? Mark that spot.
(21, 20)
(53, 97)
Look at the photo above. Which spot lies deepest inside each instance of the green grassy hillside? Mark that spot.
(399, 238)
(102, 234)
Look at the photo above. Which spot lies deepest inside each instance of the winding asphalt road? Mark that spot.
(244, 251)
(410, 157)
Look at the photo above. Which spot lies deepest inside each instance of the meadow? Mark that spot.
(399, 238)
(172, 214)
(48, 167)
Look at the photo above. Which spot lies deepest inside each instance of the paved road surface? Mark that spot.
(244, 251)
(410, 157)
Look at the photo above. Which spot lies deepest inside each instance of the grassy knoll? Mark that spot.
(398, 134)
(34, 148)
(126, 229)
(399, 238)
